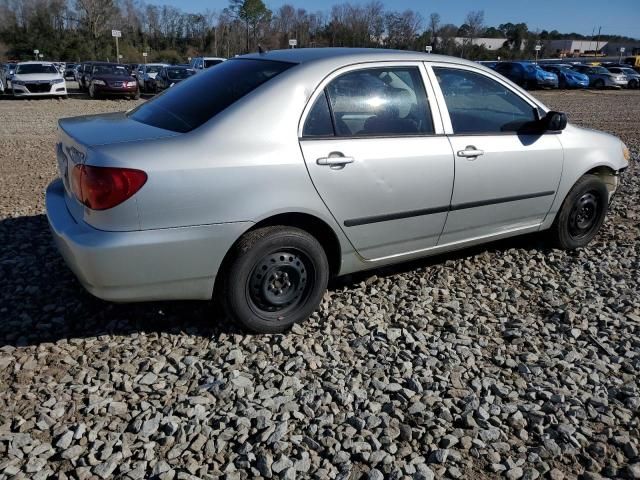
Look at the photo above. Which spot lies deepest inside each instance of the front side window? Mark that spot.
(190, 104)
(386, 101)
(478, 104)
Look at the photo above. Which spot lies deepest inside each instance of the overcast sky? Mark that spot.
(614, 16)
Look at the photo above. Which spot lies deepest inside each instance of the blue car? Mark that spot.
(527, 74)
(568, 77)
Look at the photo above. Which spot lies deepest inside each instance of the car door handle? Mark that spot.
(335, 160)
(470, 152)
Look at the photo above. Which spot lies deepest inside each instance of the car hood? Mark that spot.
(30, 77)
(110, 128)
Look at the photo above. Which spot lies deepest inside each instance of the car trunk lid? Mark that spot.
(78, 142)
(110, 128)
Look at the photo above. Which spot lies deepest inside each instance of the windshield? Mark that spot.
(190, 104)
(599, 70)
(211, 63)
(154, 68)
(28, 68)
(110, 70)
(179, 73)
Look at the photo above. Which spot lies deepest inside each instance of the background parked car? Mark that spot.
(83, 75)
(202, 63)
(170, 75)
(6, 72)
(146, 75)
(567, 76)
(37, 79)
(600, 77)
(112, 79)
(527, 74)
(633, 77)
(70, 71)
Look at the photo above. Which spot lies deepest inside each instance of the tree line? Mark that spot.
(76, 30)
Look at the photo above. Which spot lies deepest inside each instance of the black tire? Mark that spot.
(599, 83)
(582, 213)
(276, 277)
(92, 92)
(633, 84)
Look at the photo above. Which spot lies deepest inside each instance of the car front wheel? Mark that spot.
(582, 213)
(276, 277)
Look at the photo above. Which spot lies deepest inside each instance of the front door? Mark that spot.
(505, 180)
(374, 156)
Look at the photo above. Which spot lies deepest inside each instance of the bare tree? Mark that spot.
(97, 15)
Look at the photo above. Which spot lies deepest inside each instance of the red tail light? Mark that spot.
(100, 188)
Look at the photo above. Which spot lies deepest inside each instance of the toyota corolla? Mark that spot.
(263, 177)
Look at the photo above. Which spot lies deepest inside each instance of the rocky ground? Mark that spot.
(510, 360)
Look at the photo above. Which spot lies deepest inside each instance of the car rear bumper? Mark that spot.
(617, 83)
(547, 83)
(164, 264)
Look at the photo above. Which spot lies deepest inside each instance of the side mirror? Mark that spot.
(555, 121)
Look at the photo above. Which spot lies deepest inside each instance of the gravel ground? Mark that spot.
(507, 360)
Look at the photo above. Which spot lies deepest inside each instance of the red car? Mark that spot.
(112, 79)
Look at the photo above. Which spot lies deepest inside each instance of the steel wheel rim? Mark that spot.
(280, 282)
(584, 215)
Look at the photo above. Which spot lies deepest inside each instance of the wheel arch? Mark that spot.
(607, 174)
(311, 224)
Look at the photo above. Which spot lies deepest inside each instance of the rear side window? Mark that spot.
(479, 104)
(380, 102)
(192, 102)
(318, 122)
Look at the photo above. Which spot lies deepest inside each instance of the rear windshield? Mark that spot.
(211, 63)
(179, 73)
(191, 103)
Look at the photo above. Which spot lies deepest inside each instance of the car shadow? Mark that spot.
(41, 301)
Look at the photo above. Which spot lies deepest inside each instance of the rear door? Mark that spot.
(374, 147)
(505, 180)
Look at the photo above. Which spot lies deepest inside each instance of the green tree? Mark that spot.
(251, 12)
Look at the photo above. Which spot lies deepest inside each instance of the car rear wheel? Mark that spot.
(276, 277)
(599, 83)
(582, 213)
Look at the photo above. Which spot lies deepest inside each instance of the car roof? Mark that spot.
(345, 56)
(33, 62)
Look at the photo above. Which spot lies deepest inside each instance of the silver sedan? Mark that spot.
(256, 181)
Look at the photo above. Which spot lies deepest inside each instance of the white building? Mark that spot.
(575, 47)
(488, 43)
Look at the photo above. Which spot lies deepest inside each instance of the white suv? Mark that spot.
(202, 63)
(37, 79)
